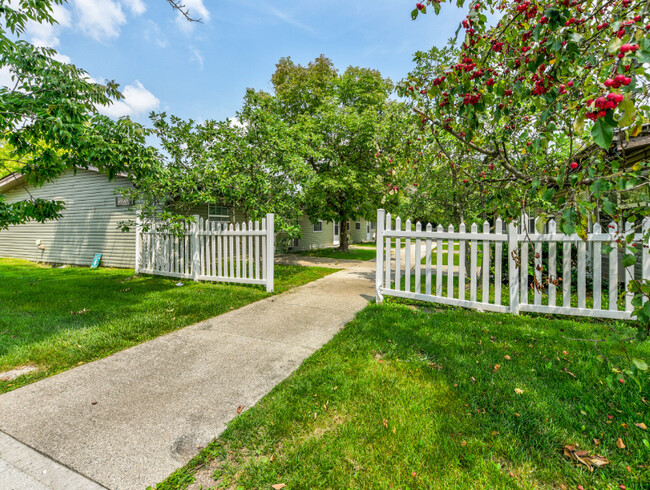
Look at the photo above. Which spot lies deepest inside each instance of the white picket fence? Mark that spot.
(407, 277)
(209, 251)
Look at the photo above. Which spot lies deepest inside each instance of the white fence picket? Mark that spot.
(613, 269)
(398, 255)
(582, 274)
(552, 265)
(450, 263)
(588, 251)
(538, 264)
(461, 264)
(388, 248)
(566, 275)
(498, 263)
(597, 266)
(418, 258)
(427, 251)
(210, 251)
(485, 267)
(407, 259)
(628, 272)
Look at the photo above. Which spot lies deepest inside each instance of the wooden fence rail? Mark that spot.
(431, 265)
(210, 251)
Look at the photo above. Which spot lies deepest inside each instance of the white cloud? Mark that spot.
(285, 17)
(196, 56)
(136, 102)
(5, 77)
(46, 35)
(62, 58)
(137, 7)
(196, 10)
(153, 34)
(99, 19)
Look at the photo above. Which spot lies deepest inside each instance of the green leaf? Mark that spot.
(629, 112)
(615, 45)
(414, 14)
(606, 249)
(548, 195)
(609, 207)
(640, 364)
(579, 124)
(629, 260)
(602, 133)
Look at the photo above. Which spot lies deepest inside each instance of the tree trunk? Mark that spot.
(344, 242)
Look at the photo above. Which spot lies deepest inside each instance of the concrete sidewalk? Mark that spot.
(129, 420)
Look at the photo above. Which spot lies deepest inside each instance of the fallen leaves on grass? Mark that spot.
(569, 372)
(240, 409)
(620, 444)
(641, 425)
(572, 452)
(497, 367)
(519, 391)
(80, 312)
(506, 357)
(278, 486)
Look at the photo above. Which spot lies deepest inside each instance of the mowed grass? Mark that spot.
(335, 253)
(425, 399)
(57, 318)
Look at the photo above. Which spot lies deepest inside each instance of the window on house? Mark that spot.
(218, 213)
(318, 226)
(295, 242)
(357, 226)
(373, 225)
(121, 201)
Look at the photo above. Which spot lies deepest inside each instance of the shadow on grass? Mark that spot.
(57, 318)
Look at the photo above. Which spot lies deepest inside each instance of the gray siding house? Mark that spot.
(94, 209)
(325, 234)
(89, 224)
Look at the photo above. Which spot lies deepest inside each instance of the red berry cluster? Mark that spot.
(603, 103)
(543, 84)
(471, 99)
(617, 81)
(438, 81)
(419, 6)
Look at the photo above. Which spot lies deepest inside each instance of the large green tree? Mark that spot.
(49, 119)
(542, 94)
(251, 163)
(347, 122)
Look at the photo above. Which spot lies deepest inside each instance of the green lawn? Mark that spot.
(366, 245)
(445, 256)
(426, 399)
(335, 253)
(58, 318)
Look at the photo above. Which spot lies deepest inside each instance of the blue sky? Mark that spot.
(201, 71)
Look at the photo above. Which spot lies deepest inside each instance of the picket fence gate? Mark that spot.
(209, 251)
(408, 278)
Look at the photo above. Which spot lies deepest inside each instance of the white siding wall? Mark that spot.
(89, 224)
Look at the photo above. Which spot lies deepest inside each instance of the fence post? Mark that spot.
(196, 253)
(270, 251)
(138, 241)
(381, 218)
(513, 273)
